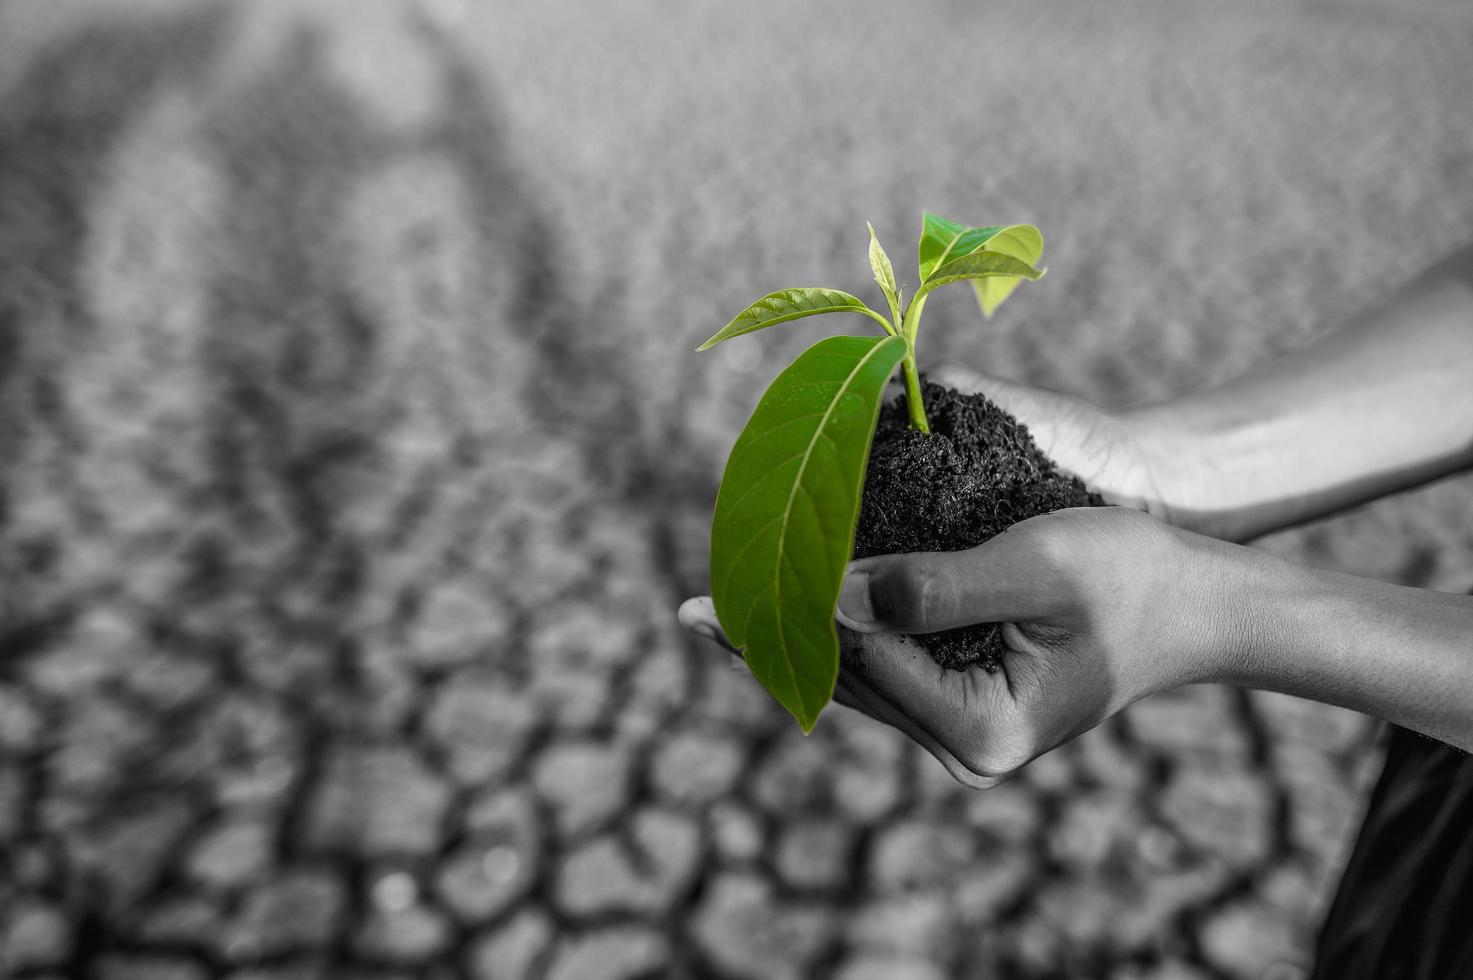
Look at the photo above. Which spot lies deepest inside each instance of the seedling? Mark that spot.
(786, 511)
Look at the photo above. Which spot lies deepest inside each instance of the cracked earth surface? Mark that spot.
(354, 466)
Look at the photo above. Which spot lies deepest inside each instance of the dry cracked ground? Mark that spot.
(354, 460)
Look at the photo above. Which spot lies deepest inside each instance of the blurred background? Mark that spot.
(354, 457)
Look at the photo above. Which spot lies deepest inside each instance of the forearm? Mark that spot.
(1402, 654)
(1384, 404)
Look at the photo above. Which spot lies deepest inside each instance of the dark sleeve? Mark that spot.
(1404, 910)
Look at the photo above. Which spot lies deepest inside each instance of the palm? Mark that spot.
(890, 677)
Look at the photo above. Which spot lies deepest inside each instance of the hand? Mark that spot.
(1102, 606)
(1101, 447)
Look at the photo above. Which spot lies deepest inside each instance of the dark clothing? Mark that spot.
(1404, 910)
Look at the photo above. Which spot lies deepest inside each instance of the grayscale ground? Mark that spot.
(355, 458)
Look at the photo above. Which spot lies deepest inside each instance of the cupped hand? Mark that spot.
(1101, 606)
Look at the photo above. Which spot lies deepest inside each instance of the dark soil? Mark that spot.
(977, 473)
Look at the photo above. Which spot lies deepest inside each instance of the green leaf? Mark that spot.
(1023, 242)
(979, 265)
(786, 511)
(943, 241)
(884, 275)
(790, 304)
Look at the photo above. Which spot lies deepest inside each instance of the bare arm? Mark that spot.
(1398, 653)
(1382, 405)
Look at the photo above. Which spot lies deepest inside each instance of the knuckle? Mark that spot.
(1053, 543)
(910, 595)
(1050, 532)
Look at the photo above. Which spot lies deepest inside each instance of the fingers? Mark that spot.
(854, 693)
(957, 716)
(890, 679)
(924, 592)
(698, 614)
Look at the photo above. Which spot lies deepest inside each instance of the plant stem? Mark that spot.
(914, 401)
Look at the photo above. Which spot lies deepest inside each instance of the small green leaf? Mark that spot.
(785, 515)
(884, 274)
(979, 265)
(790, 304)
(1023, 242)
(943, 241)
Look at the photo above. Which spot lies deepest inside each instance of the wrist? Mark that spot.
(1180, 622)
(1209, 471)
(1174, 462)
(1259, 602)
(1218, 587)
(1397, 653)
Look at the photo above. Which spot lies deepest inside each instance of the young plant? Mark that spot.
(789, 500)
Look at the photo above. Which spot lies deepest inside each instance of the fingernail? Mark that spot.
(854, 598)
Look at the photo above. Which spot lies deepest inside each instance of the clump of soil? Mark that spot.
(977, 473)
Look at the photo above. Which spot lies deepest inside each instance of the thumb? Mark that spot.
(924, 592)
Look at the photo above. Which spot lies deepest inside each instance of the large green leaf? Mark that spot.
(943, 241)
(790, 304)
(979, 265)
(785, 515)
(884, 275)
(1024, 242)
